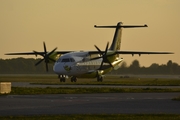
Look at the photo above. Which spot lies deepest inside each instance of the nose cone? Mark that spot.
(62, 69)
(58, 69)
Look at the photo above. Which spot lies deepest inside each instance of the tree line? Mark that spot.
(23, 66)
(27, 66)
(170, 68)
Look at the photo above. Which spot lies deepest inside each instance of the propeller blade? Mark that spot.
(101, 65)
(104, 56)
(106, 48)
(46, 67)
(38, 53)
(52, 51)
(98, 50)
(45, 51)
(110, 63)
(45, 56)
(39, 62)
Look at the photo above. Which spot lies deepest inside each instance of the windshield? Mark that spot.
(66, 60)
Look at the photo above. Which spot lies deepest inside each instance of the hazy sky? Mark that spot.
(69, 25)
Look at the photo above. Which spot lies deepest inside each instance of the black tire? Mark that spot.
(64, 79)
(73, 79)
(99, 78)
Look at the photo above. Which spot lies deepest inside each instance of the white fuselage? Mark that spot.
(77, 63)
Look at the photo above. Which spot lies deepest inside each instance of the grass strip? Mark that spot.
(98, 117)
(67, 90)
(128, 82)
(53, 80)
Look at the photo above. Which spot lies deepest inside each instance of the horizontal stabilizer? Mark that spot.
(121, 26)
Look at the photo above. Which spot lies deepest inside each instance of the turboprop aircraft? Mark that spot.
(88, 64)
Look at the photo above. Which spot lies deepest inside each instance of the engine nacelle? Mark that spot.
(117, 63)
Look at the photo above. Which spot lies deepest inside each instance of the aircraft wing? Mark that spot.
(94, 52)
(141, 52)
(24, 53)
(33, 53)
(132, 52)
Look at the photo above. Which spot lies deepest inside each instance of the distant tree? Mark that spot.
(154, 66)
(123, 68)
(162, 69)
(135, 64)
(169, 67)
(134, 68)
(123, 65)
(175, 68)
(27, 66)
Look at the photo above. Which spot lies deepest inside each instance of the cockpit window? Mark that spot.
(72, 60)
(65, 60)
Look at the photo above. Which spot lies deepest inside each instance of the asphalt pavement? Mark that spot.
(106, 103)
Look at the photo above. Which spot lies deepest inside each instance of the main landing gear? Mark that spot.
(73, 79)
(62, 78)
(99, 78)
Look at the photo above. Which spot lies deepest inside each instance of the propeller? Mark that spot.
(45, 56)
(104, 56)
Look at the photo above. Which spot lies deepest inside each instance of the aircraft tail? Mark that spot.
(116, 43)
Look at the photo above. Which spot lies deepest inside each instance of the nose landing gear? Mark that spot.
(99, 78)
(62, 78)
(73, 79)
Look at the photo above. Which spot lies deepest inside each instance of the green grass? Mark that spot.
(98, 117)
(66, 90)
(53, 80)
(109, 80)
(29, 78)
(120, 81)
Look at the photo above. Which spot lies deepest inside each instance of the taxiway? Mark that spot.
(107, 103)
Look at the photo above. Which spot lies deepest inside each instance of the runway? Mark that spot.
(110, 103)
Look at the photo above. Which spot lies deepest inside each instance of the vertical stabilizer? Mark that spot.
(116, 43)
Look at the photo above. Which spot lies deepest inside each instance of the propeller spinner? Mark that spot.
(45, 56)
(104, 56)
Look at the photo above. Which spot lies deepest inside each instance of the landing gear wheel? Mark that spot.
(73, 79)
(62, 78)
(99, 78)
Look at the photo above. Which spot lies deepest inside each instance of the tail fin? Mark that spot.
(116, 43)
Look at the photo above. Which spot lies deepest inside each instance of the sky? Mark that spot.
(69, 25)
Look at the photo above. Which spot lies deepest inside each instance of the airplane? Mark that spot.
(88, 64)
